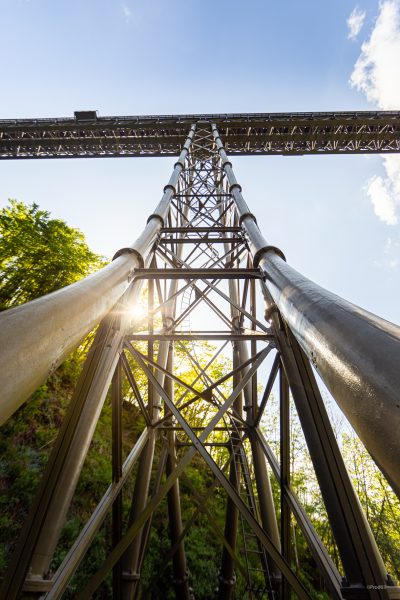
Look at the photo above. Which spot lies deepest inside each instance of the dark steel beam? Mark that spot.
(201, 505)
(131, 558)
(226, 576)
(201, 502)
(252, 133)
(77, 552)
(285, 472)
(147, 527)
(232, 301)
(116, 403)
(267, 390)
(203, 393)
(130, 377)
(262, 337)
(136, 527)
(184, 273)
(196, 230)
(39, 537)
(180, 571)
(201, 240)
(364, 568)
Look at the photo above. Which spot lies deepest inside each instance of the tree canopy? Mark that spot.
(38, 254)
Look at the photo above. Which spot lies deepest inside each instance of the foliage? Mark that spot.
(380, 504)
(25, 443)
(39, 255)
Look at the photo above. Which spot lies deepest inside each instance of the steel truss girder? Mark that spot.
(263, 133)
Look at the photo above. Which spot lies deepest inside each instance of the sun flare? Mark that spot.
(137, 312)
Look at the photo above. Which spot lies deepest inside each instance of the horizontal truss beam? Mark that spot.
(183, 273)
(196, 336)
(243, 134)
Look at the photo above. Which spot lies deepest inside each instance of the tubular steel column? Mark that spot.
(359, 554)
(47, 516)
(263, 485)
(97, 385)
(356, 353)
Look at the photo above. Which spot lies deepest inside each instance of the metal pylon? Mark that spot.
(200, 242)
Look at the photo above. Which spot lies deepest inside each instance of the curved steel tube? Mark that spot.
(36, 337)
(356, 353)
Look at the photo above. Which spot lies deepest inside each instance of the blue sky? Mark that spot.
(336, 218)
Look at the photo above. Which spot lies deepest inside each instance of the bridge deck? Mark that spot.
(87, 135)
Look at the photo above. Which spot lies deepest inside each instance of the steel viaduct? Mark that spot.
(201, 250)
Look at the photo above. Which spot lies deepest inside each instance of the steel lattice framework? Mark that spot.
(267, 133)
(201, 259)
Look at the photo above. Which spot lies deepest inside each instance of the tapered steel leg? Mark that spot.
(48, 513)
(117, 473)
(227, 578)
(131, 558)
(181, 583)
(285, 474)
(359, 554)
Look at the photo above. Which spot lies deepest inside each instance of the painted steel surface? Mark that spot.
(203, 238)
(87, 136)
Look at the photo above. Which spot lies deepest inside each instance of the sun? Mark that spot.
(137, 312)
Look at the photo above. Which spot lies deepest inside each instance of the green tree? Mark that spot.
(39, 255)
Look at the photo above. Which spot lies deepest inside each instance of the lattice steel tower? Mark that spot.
(203, 265)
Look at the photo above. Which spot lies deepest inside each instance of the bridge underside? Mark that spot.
(88, 135)
(203, 283)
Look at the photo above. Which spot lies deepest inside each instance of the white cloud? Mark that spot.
(384, 192)
(392, 252)
(383, 200)
(126, 11)
(391, 255)
(355, 23)
(377, 74)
